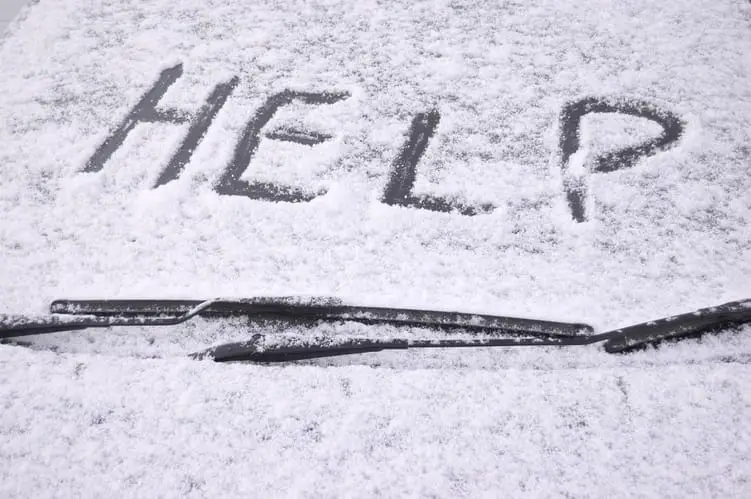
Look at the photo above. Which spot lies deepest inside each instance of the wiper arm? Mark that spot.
(13, 326)
(497, 331)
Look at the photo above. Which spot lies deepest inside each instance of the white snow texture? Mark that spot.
(124, 412)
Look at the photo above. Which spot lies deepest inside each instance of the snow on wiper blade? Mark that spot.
(12, 326)
(618, 341)
(678, 327)
(253, 350)
(256, 349)
(321, 309)
(67, 315)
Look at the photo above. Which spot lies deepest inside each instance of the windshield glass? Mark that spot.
(254, 157)
(584, 163)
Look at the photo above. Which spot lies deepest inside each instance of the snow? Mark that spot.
(133, 427)
(666, 236)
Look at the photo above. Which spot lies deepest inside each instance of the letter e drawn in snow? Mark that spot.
(230, 183)
(572, 166)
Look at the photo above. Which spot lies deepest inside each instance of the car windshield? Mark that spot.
(549, 182)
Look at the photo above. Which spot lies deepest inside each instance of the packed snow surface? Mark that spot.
(322, 99)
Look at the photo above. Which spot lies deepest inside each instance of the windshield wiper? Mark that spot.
(69, 315)
(491, 331)
(255, 349)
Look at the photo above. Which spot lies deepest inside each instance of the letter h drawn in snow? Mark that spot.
(146, 111)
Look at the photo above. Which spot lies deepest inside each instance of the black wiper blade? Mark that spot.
(320, 309)
(13, 326)
(254, 350)
(677, 327)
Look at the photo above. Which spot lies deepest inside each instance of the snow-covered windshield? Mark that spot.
(575, 161)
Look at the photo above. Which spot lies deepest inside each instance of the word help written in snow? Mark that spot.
(398, 190)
